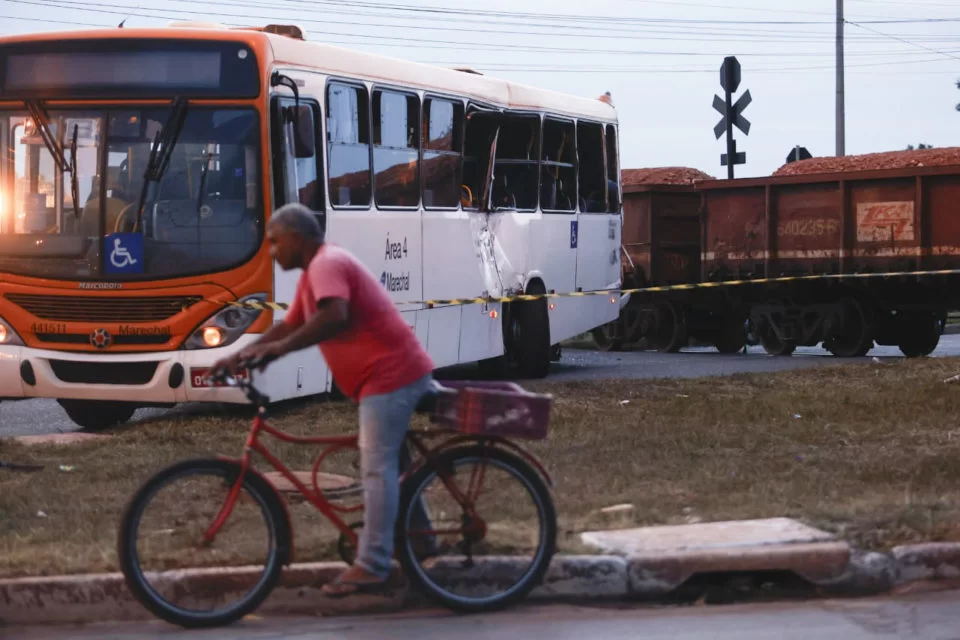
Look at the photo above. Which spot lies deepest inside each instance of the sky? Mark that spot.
(659, 59)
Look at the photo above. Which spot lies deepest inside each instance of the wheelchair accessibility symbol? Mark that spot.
(120, 257)
(124, 253)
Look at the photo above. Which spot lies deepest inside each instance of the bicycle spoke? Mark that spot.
(167, 529)
(476, 480)
(486, 545)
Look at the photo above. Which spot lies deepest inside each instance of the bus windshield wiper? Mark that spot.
(160, 154)
(42, 122)
(74, 179)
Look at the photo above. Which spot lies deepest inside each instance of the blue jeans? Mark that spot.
(384, 420)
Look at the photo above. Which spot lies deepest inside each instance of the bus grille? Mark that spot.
(127, 373)
(116, 340)
(101, 309)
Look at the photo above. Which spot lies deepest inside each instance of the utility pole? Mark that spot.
(841, 115)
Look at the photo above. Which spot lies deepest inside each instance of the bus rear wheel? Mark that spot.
(95, 415)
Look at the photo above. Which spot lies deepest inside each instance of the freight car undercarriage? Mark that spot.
(848, 320)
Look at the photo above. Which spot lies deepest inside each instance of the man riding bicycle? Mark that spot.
(376, 360)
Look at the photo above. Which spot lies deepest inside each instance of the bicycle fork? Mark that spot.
(473, 528)
(221, 518)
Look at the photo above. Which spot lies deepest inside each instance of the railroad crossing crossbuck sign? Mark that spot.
(731, 113)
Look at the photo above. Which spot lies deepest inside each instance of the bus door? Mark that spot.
(459, 257)
(298, 173)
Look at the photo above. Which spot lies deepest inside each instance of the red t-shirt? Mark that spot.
(379, 352)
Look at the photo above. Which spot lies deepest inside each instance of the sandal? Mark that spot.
(353, 587)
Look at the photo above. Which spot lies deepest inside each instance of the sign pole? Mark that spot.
(731, 143)
(731, 113)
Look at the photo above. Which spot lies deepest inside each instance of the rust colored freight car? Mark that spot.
(661, 246)
(844, 222)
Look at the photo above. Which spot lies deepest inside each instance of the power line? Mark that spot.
(727, 7)
(554, 19)
(607, 69)
(51, 21)
(127, 10)
(595, 18)
(913, 44)
(562, 50)
(912, 3)
(112, 9)
(526, 24)
(504, 67)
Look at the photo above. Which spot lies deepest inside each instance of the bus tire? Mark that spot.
(531, 344)
(95, 415)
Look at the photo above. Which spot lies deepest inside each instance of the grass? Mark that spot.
(867, 451)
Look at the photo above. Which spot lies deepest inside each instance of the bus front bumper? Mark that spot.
(159, 378)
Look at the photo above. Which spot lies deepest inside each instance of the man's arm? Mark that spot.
(331, 319)
(274, 334)
(277, 332)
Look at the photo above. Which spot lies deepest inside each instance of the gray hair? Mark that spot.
(298, 219)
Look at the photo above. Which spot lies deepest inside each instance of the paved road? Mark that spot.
(931, 616)
(45, 416)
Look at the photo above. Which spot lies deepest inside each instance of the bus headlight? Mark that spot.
(226, 325)
(9, 337)
(213, 336)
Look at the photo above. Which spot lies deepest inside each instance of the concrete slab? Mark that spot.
(704, 536)
(660, 559)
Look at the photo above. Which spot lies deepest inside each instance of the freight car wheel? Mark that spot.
(919, 334)
(632, 324)
(732, 336)
(774, 344)
(670, 334)
(855, 338)
(609, 337)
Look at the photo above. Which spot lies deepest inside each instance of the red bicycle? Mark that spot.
(462, 532)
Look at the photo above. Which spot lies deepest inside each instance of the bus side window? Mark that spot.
(442, 156)
(475, 146)
(613, 171)
(396, 149)
(348, 140)
(558, 179)
(593, 178)
(515, 183)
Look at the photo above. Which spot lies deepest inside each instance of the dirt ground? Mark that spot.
(867, 451)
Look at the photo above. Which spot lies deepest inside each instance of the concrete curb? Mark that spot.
(99, 597)
(929, 561)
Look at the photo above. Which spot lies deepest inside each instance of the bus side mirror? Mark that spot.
(304, 136)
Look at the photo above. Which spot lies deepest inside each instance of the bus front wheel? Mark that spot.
(531, 346)
(95, 415)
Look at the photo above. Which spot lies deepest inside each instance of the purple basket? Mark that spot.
(503, 409)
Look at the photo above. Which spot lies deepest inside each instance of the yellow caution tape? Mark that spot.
(279, 306)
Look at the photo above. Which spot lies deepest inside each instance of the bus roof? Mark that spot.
(348, 63)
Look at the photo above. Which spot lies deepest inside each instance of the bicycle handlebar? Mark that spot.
(254, 395)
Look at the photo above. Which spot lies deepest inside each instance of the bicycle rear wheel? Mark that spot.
(162, 532)
(490, 529)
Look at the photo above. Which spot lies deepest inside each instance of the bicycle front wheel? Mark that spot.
(163, 532)
(477, 528)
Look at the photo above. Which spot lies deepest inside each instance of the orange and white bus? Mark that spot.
(142, 165)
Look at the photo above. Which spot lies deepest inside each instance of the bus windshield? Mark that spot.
(204, 215)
